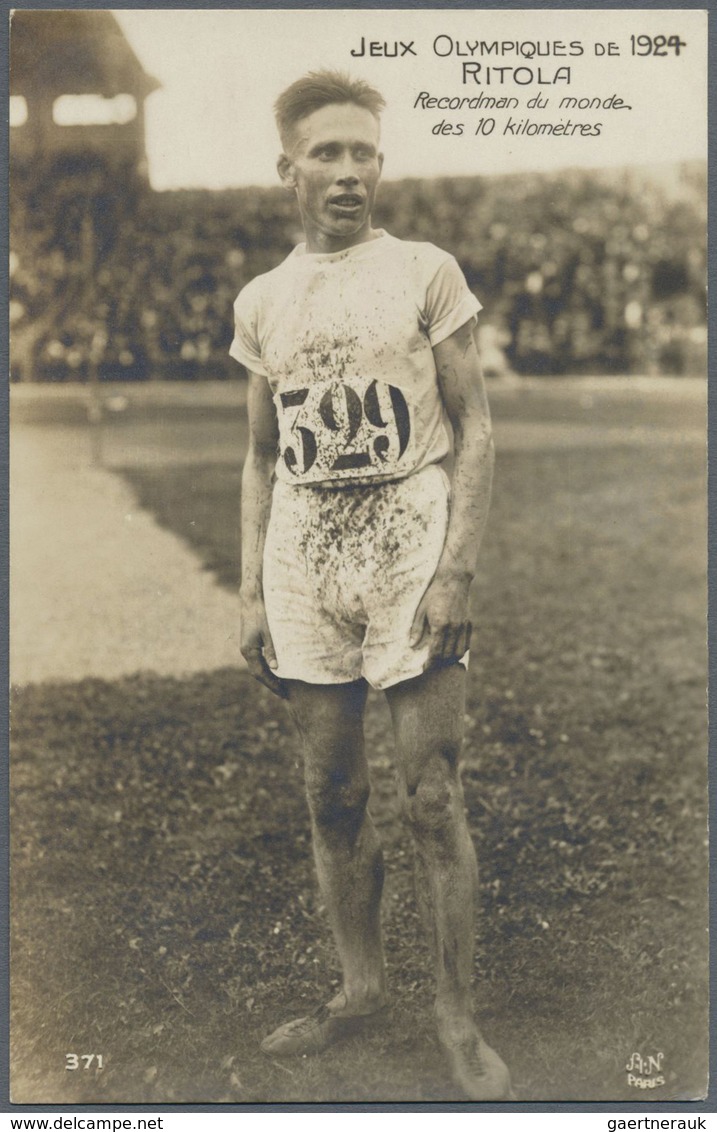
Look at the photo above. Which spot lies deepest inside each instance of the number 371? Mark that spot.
(83, 1061)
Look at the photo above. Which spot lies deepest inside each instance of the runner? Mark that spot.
(358, 553)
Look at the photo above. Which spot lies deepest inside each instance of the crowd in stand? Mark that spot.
(578, 272)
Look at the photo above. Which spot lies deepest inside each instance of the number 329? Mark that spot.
(341, 413)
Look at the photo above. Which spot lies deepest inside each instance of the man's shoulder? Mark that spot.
(262, 285)
(423, 253)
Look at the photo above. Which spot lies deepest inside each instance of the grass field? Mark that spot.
(164, 907)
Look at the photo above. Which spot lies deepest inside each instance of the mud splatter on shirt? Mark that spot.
(346, 343)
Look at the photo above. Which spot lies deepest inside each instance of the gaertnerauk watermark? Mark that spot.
(693, 1122)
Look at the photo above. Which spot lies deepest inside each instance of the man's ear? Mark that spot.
(380, 164)
(285, 169)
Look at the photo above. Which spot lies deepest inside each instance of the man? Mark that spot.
(355, 570)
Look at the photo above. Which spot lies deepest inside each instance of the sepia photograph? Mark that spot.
(358, 601)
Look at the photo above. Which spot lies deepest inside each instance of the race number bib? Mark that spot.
(347, 429)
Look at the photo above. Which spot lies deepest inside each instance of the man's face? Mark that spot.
(334, 166)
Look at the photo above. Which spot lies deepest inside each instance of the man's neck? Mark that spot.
(321, 243)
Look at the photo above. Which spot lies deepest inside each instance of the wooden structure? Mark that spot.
(55, 53)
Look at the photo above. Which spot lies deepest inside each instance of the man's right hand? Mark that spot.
(257, 647)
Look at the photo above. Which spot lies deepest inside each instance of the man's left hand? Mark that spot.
(443, 615)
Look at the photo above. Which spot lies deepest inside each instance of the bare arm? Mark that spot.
(443, 611)
(256, 644)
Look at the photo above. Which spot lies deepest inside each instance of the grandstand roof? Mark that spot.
(73, 52)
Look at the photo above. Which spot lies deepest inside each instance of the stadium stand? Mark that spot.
(578, 271)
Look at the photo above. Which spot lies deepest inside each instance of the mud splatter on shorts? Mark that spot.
(344, 571)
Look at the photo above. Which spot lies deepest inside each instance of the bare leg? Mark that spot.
(428, 720)
(348, 856)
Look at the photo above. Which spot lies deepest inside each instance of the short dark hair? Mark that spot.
(321, 88)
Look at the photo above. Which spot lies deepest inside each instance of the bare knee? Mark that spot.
(433, 793)
(337, 800)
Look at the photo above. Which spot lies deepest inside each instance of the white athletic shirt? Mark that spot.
(345, 340)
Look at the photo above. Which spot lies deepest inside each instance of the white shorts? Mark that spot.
(344, 571)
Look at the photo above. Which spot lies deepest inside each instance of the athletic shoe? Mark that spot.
(479, 1071)
(313, 1033)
